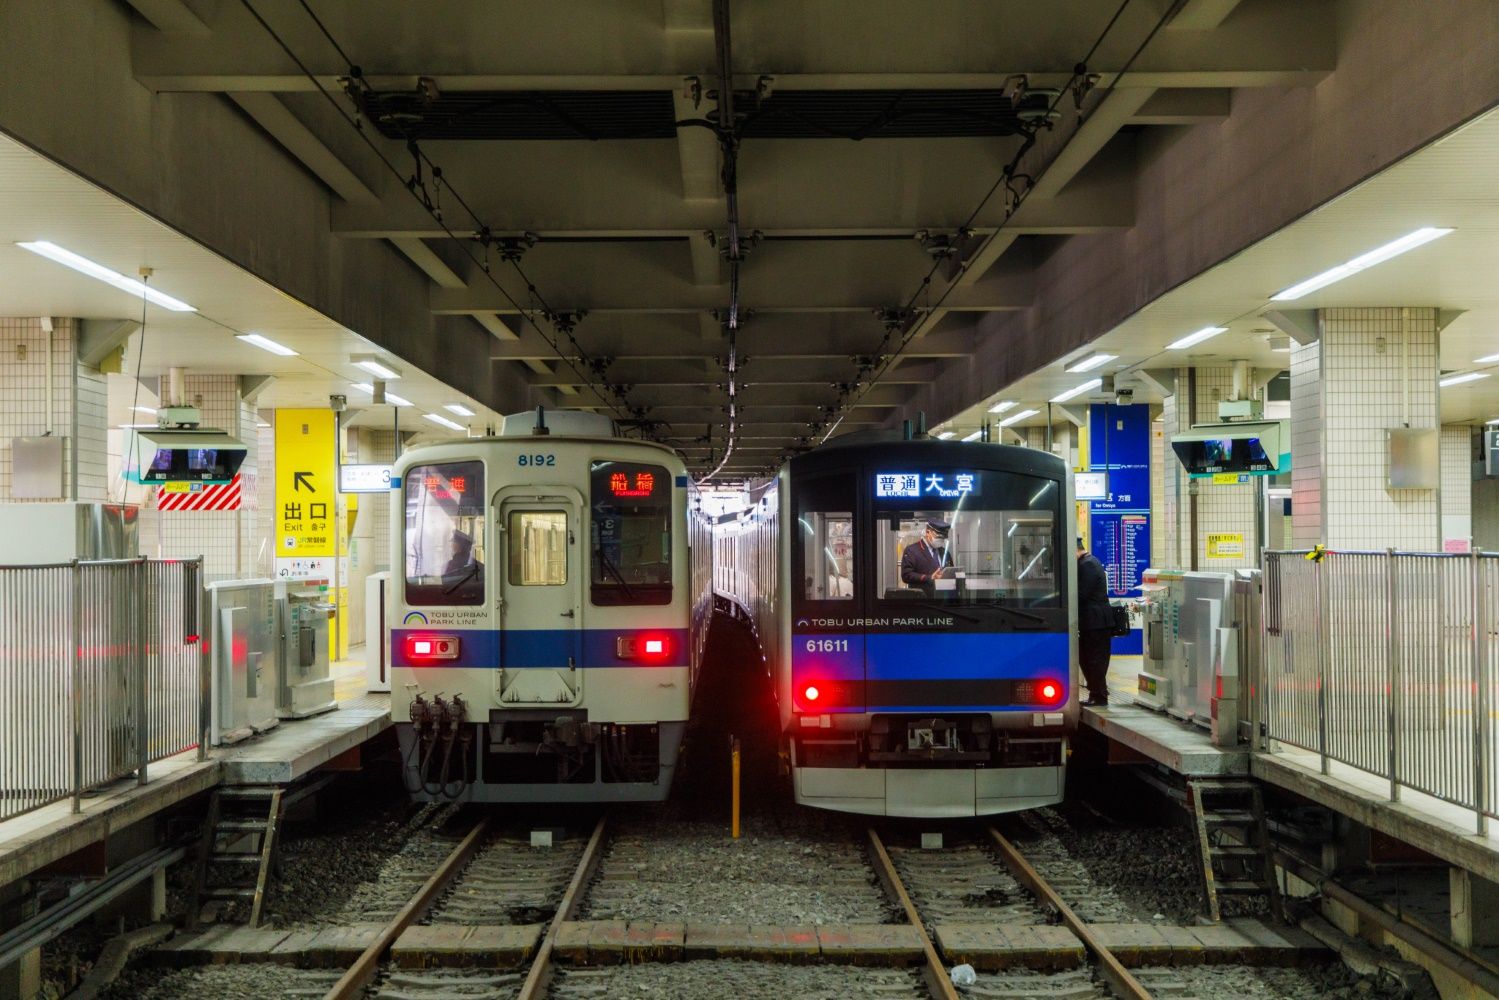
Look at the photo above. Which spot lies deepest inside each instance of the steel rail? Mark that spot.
(1114, 972)
(538, 979)
(352, 983)
(936, 973)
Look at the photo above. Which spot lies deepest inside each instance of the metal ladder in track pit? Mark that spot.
(240, 837)
(1234, 841)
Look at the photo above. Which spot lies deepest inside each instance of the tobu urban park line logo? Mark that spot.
(949, 485)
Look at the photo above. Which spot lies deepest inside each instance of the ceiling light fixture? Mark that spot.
(438, 418)
(944, 435)
(458, 408)
(1002, 407)
(1193, 339)
(1394, 248)
(1017, 417)
(144, 409)
(377, 368)
(390, 397)
(1486, 360)
(1077, 390)
(974, 436)
(266, 344)
(1088, 364)
(83, 265)
(1460, 379)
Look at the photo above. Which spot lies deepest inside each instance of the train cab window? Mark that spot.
(538, 548)
(825, 534)
(630, 550)
(444, 543)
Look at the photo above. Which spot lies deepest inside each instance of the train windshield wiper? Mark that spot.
(609, 567)
(938, 607)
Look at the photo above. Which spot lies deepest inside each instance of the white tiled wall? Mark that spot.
(1374, 369)
(1457, 483)
(23, 382)
(1221, 509)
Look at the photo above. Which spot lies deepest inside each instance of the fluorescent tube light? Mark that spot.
(144, 409)
(1088, 364)
(390, 397)
(83, 265)
(1379, 254)
(267, 344)
(438, 418)
(974, 436)
(1017, 417)
(378, 370)
(458, 408)
(1002, 407)
(1460, 379)
(1486, 360)
(1193, 339)
(1077, 390)
(945, 436)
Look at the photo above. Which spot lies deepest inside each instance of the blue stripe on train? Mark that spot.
(487, 649)
(854, 658)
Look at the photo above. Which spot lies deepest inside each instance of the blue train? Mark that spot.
(913, 600)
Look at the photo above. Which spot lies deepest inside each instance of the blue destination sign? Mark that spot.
(915, 485)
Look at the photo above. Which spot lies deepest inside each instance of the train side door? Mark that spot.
(540, 596)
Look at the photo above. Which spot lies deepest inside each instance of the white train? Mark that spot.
(547, 623)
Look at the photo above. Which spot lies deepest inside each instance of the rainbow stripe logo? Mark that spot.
(415, 616)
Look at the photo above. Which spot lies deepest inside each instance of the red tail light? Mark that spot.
(811, 693)
(1049, 691)
(648, 647)
(423, 648)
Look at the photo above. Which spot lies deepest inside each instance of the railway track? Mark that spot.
(968, 883)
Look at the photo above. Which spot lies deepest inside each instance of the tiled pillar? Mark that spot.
(1457, 488)
(1371, 370)
(1225, 511)
(78, 413)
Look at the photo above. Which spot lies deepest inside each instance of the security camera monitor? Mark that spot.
(1223, 453)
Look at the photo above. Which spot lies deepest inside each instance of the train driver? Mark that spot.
(923, 563)
(461, 562)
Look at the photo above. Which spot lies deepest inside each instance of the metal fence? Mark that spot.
(1385, 661)
(102, 671)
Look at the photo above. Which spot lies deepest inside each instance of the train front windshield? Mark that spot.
(973, 538)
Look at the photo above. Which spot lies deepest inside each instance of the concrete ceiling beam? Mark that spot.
(600, 45)
(417, 251)
(812, 335)
(1184, 107)
(171, 17)
(302, 143)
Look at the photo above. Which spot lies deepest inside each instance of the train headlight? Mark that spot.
(426, 648)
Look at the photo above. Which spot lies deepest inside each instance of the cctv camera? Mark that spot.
(337, 403)
(1124, 397)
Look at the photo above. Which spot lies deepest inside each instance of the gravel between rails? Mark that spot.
(800, 869)
(963, 882)
(715, 980)
(510, 882)
(222, 982)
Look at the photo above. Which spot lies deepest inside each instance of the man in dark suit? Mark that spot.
(1095, 625)
(923, 563)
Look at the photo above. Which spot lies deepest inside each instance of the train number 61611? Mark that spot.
(536, 460)
(827, 645)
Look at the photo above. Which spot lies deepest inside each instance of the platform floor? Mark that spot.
(294, 748)
(1183, 748)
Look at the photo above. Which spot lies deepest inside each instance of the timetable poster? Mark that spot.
(1119, 446)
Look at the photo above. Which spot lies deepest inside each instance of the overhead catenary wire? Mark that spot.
(423, 197)
(1006, 176)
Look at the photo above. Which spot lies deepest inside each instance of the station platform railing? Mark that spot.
(103, 670)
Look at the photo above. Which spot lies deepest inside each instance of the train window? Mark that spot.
(969, 555)
(538, 548)
(630, 554)
(445, 534)
(828, 555)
